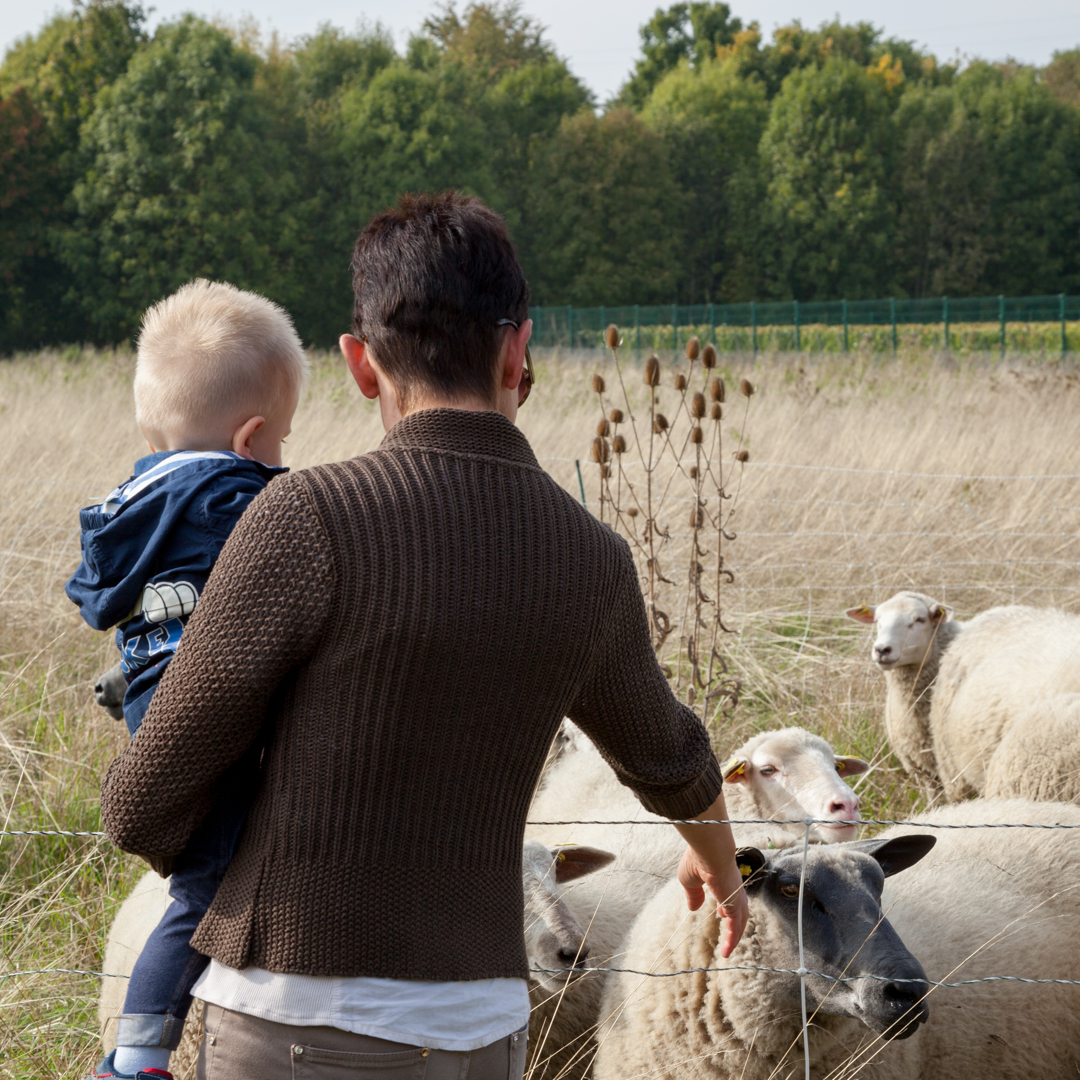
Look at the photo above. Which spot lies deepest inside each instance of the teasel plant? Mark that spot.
(650, 465)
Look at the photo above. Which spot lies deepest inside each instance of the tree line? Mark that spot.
(824, 163)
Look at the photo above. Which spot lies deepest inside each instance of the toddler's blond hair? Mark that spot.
(211, 352)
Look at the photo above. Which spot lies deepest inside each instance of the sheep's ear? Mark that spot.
(864, 613)
(736, 770)
(896, 854)
(750, 862)
(575, 860)
(851, 766)
(941, 613)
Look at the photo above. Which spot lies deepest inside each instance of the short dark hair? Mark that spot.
(431, 279)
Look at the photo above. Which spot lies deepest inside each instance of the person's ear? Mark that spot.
(242, 436)
(512, 356)
(359, 364)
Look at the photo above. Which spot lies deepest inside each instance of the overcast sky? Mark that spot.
(599, 38)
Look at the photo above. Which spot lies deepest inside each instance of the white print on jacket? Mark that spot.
(166, 600)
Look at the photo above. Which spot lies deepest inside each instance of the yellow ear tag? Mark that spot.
(561, 857)
(863, 609)
(745, 869)
(841, 766)
(734, 766)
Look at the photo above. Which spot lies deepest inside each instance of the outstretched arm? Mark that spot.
(709, 863)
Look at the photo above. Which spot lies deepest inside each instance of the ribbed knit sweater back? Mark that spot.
(406, 630)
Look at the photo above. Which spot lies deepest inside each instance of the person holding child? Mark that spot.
(400, 635)
(217, 380)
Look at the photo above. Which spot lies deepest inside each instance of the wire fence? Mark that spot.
(1030, 323)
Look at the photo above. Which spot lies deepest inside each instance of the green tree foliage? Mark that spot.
(28, 200)
(186, 180)
(827, 154)
(712, 120)
(685, 32)
(604, 216)
(821, 163)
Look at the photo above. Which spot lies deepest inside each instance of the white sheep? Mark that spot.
(779, 774)
(913, 632)
(1039, 759)
(955, 690)
(982, 902)
(553, 937)
(1002, 672)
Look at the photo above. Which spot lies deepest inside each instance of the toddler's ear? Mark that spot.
(242, 436)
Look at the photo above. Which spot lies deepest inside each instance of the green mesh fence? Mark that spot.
(1039, 323)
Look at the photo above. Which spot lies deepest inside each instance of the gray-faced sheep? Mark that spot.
(982, 902)
(780, 774)
(554, 939)
(955, 690)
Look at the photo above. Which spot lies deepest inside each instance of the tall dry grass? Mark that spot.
(864, 476)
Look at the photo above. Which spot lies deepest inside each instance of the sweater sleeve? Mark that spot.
(657, 746)
(258, 618)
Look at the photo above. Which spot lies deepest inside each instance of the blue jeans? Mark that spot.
(159, 993)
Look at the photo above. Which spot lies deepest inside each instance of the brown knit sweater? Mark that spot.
(406, 629)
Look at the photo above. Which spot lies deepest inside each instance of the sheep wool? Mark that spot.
(982, 902)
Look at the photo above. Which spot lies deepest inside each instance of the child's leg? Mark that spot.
(159, 992)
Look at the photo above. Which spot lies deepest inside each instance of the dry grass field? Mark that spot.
(864, 476)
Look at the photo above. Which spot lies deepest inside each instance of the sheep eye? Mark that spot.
(790, 891)
(767, 770)
(921, 619)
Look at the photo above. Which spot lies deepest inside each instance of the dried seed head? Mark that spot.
(693, 348)
(717, 412)
(697, 518)
(599, 450)
(603, 428)
(631, 512)
(696, 436)
(717, 389)
(697, 406)
(598, 384)
(611, 337)
(708, 356)
(746, 388)
(605, 472)
(660, 424)
(693, 472)
(742, 455)
(618, 444)
(616, 416)
(680, 382)
(652, 371)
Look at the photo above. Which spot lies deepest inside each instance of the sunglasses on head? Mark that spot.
(527, 377)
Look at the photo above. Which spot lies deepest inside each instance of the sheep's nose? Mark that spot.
(847, 811)
(881, 651)
(574, 957)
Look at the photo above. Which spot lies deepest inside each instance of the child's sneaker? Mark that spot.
(105, 1071)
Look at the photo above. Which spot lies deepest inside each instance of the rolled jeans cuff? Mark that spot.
(149, 1029)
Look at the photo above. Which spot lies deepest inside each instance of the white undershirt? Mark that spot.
(439, 1015)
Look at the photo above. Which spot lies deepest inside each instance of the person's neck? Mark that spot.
(391, 414)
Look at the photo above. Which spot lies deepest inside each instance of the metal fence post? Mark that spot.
(798, 336)
(1001, 315)
(570, 323)
(603, 323)
(753, 322)
(843, 308)
(675, 329)
(945, 319)
(712, 323)
(637, 325)
(1064, 340)
(892, 314)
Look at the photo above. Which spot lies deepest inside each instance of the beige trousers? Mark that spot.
(240, 1047)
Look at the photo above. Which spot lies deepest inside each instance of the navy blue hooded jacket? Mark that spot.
(148, 549)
